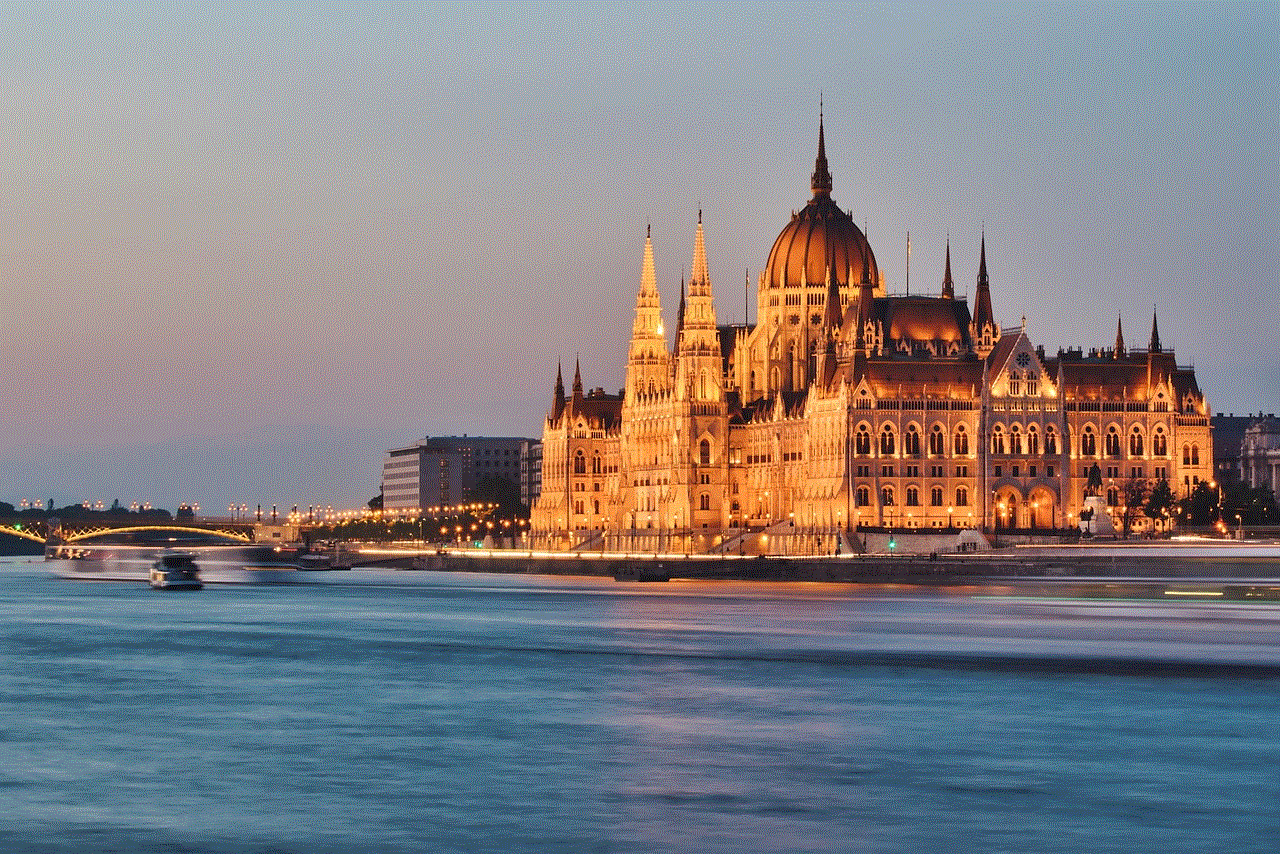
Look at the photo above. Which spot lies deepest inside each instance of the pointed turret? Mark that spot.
(1154, 346)
(833, 316)
(577, 380)
(648, 362)
(984, 331)
(821, 182)
(557, 404)
(948, 287)
(1119, 351)
(680, 316)
(698, 344)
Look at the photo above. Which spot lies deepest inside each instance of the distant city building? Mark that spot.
(847, 406)
(530, 472)
(445, 470)
(1228, 438)
(1260, 454)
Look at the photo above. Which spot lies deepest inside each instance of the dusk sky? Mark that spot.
(246, 250)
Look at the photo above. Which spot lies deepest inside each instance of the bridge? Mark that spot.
(75, 531)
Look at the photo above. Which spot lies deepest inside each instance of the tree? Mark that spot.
(1160, 501)
(1201, 506)
(1135, 493)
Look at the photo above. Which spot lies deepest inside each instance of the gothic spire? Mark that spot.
(1154, 346)
(948, 287)
(557, 406)
(821, 183)
(833, 316)
(982, 302)
(680, 315)
(1119, 351)
(577, 379)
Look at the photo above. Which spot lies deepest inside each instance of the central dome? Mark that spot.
(819, 238)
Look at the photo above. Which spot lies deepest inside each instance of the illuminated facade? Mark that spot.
(844, 406)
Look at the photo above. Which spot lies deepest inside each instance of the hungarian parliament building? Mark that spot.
(844, 408)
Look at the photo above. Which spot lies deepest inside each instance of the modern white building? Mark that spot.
(446, 470)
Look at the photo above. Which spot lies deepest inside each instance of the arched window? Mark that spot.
(935, 497)
(1033, 387)
(1195, 455)
(960, 442)
(1033, 441)
(1186, 455)
(1015, 386)
(862, 441)
(886, 496)
(1135, 443)
(1050, 440)
(962, 496)
(937, 443)
(704, 502)
(580, 463)
(702, 385)
(911, 442)
(864, 496)
(1088, 443)
(997, 439)
(595, 464)
(1015, 439)
(595, 504)
(704, 453)
(1113, 441)
(1159, 443)
(913, 496)
(886, 441)
(1113, 497)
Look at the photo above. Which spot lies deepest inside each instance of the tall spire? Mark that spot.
(948, 287)
(699, 277)
(982, 301)
(648, 321)
(983, 329)
(1154, 346)
(557, 405)
(832, 316)
(679, 316)
(1119, 351)
(577, 379)
(821, 183)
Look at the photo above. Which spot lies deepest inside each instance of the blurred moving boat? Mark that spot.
(176, 571)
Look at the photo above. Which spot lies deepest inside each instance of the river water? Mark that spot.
(408, 712)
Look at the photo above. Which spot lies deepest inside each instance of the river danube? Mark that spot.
(411, 712)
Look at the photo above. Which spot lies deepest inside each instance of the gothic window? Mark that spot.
(864, 496)
(886, 496)
(702, 385)
(886, 441)
(1033, 441)
(1113, 441)
(1050, 441)
(913, 496)
(862, 441)
(962, 496)
(997, 439)
(1159, 443)
(1195, 455)
(1186, 455)
(1033, 388)
(704, 453)
(911, 442)
(595, 503)
(580, 464)
(577, 506)
(595, 464)
(1113, 497)
(935, 497)
(1135, 443)
(960, 442)
(704, 502)
(1015, 439)
(937, 443)
(1088, 443)
(1015, 386)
